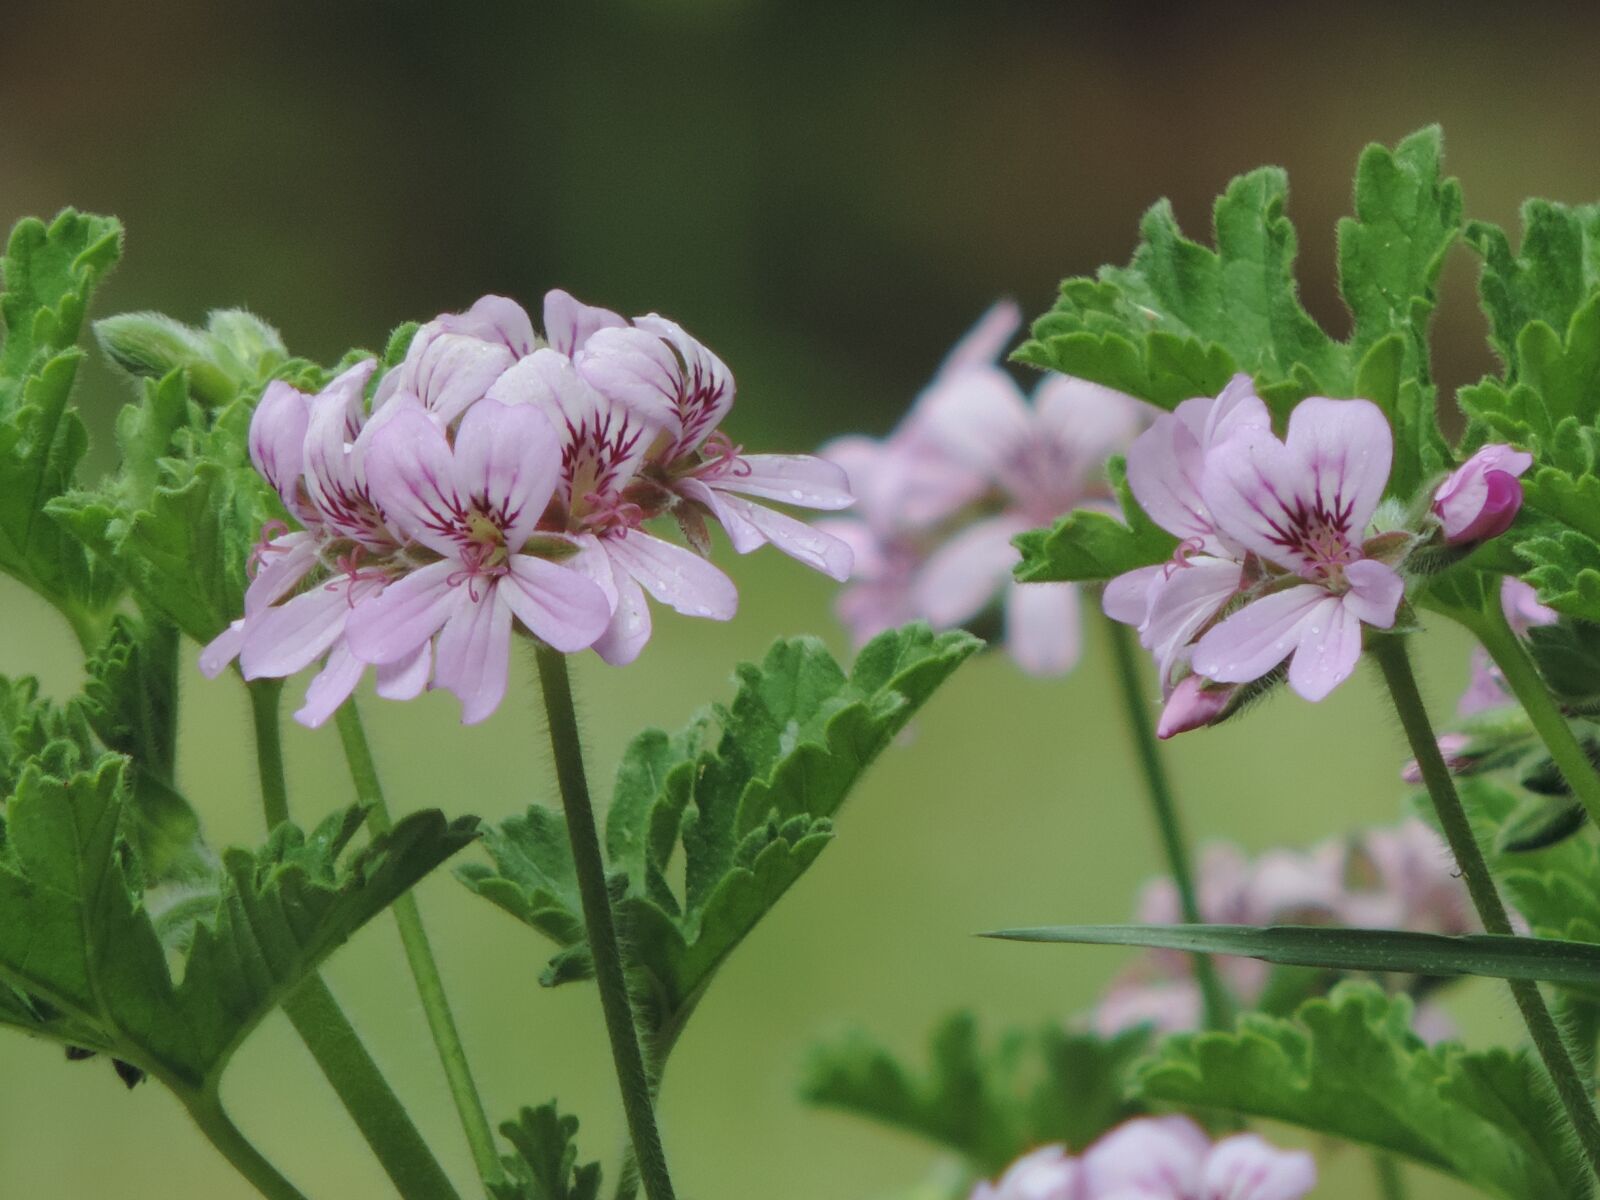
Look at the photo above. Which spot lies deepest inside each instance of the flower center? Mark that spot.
(1324, 541)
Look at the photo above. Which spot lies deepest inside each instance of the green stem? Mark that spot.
(321, 1023)
(208, 1113)
(600, 924)
(366, 1094)
(1522, 677)
(419, 954)
(1395, 662)
(1391, 1183)
(1218, 1005)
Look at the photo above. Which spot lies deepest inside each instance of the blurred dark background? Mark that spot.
(827, 193)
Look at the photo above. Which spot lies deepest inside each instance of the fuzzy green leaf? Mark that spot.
(748, 792)
(1555, 273)
(78, 939)
(1349, 1066)
(989, 1103)
(545, 1166)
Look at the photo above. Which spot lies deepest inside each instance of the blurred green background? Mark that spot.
(827, 193)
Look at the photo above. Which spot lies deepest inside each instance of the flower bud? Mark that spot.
(1481, 498)
(244, 345)
(1194, 703)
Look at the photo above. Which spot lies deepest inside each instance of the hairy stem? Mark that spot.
(321, 1023)
(1391, 1183)
(419, 954)
(1218, 1005)
(637, 1104)
(207, 1111)
(1395, 662)
(1522, 677)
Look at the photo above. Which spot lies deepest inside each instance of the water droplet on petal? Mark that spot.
(796, 494)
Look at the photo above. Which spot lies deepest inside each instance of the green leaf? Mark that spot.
(1382, 950)
(1350, 1067)
(1087, 545)
(49, 274)
(748, 792)
(184, 511)
(1556, 272)
(77, 938)
(989, 1103)
(545, 1166)
(1181, 318)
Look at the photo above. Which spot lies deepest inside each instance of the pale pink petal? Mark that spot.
(1236, 407)
(962, 578)
(593, 563)
(1166, 1007)
(677, 577)
(1127, 597)
(978, 418)
(473, 654)
(508, 460)
(625, 638)
(1164, 470)
(1375, 592)
(447, 371)
(705, 385)
(1481, 497)
(1183, 602)
(406, 678)
(1330, 647)
(1192, 705)
(280, 641)
(1246, 1167)
(1163, 1154)
(802, 542)
(1347, 447)
(337, 414)
(331, 686)
(568, 323)
(1043, 630)
(222, 650)
(636, 368)
(1258, 637)
(983, 344)
(1253, 486)
(278, 441)
(495, 319)
(1520, 602)
(742, 534)
(800, 479)
(1087, 421)
(869, 557)
(557, 604)
(1044, 1174)
(391, 626)
(411, 474)
(285, 561)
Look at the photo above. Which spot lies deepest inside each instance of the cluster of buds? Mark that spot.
(1400, 877)
(974, 463)
(498, 479)
(1278, 567)
(1158, 1158)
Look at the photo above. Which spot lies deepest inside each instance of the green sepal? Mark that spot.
(988, 1101)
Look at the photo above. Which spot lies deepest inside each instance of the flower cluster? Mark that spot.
(499, 479)
(973, 464)
(1276, 560)
(1400, 877)
(1158, 1158)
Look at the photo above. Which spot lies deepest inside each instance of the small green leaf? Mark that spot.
(545, 1166)
(748, 793)
(1088, 546)
(988, 1102)
(1382, 950)
(1348, 1066)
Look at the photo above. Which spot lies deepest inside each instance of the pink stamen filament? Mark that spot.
(270, 532)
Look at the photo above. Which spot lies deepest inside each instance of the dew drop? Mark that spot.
(796, 494)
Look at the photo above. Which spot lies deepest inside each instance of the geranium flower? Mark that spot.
(1481, 497)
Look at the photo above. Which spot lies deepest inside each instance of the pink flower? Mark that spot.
(475, 505)
(1159, 1158)
(1521, 605)
(454, 359)
(1481, 497)
(674, 383)
(1486, 687)
(1192, 704)
(1302, 506)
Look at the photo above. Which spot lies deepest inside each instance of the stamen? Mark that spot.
(270, 532)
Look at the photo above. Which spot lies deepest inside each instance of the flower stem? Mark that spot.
(1391, 1183)
(1218, 1004)
(1395, 662)
(207, 1111)
(321, 1023)
(419, 953)
(600, 924)
(1522, 677)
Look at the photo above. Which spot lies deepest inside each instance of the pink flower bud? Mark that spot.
(1482, 496)
(1194, 703)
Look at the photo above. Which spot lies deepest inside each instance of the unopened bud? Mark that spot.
(1482, 496)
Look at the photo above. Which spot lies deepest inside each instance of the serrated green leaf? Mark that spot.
(988, 1102)
(545, 1166)
(747, 792)
(1556, 271)
(1087, 545)
(1350, 1067)
(77, 938)
(1400, 951)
